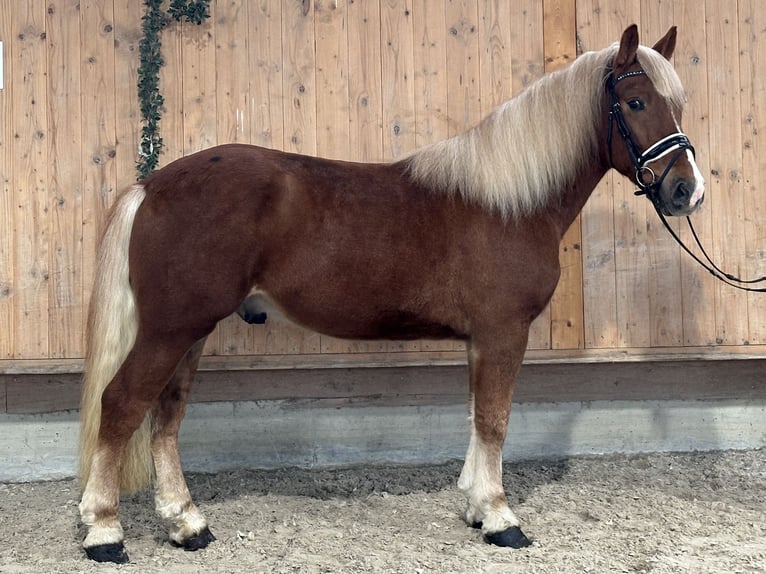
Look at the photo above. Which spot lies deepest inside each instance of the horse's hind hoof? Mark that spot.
(511, 537)
(114, 552)
(198, 542)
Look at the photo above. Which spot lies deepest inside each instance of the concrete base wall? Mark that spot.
(265, 434)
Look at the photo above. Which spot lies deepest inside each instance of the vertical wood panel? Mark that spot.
(332, 96)
(364, 82)
(527, 64)
(692, 64)
(300, 92)
(66, 312)
(299, 82)
(630, 220)
(30, 197)
(664, 279)
(98, 126)
(398, 73)
(752, 34)
(566, 306)
(265, 57)
(598, 233)
(172, 89)
(724, 188)
(7, 211)
(127, 35)
(267, 123)
(430, 62)
(463, 103)
(232, 94)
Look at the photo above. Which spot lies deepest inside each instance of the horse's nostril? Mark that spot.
(681, 194)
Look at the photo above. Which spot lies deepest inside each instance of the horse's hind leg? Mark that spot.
(188, 528)
(130, 395)
(493, 373)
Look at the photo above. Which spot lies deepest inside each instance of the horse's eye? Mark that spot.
(636, 104)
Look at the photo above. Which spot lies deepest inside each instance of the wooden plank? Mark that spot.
(724, 188)
(364, 82)
(349, 112)
(199, 102)
(526, 57)
(299, 82)
(127, 35)
(232, 94)
(630, 217)
(597, 221)
(265, 57)
(752, 34)
(463, 84)
(398, 77)
(692, 64)
(300, 122)
(332, 94)
(398, 71)
(7, 178)
(172, 89)
(98, 127)
(664, 255)
(495, 55)
(66, 313)
(332, 100)
(430, 81)
(566, 307)
(30, 197)
(656, 381)
(430, 92)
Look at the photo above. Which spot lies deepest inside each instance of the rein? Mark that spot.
(649, 184)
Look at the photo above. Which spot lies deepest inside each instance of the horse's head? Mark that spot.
(644, 139)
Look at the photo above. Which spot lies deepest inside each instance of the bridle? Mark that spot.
(677, 143)
(649, 184)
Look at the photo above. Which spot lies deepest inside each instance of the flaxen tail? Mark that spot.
(111, 333)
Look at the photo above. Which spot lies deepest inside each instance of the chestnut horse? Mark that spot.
(459, 240)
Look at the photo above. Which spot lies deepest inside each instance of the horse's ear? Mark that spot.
(628, 46)
(667, 44)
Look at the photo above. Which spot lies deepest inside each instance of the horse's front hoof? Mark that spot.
(198, 542)
(114, 552)
(511, 537)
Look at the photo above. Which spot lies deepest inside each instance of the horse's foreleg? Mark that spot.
(124, 404)
(493, 373)
(188, 528)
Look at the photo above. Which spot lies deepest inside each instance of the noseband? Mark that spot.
(677, 143)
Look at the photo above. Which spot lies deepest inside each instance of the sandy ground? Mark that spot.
(663, 513)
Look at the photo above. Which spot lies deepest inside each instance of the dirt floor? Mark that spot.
(664, 513)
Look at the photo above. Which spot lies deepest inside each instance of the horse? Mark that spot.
(458, 240)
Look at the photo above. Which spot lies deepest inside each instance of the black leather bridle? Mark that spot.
(677, 143)
(649, 184)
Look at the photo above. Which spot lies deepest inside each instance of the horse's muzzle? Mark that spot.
(684, 197)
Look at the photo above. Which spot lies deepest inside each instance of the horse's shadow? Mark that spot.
(520, 480)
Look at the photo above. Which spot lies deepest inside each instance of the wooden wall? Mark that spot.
(370, 80)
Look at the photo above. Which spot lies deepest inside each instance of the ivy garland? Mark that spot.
(155, 20)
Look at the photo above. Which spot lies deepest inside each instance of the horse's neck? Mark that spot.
(573, 199)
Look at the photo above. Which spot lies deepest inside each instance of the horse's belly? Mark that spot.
(347, 323)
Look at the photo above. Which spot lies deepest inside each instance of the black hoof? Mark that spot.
(198, 542)
(107, 553)
(511, 537)
(477, 525)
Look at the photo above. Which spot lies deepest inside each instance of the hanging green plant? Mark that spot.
(154, 21)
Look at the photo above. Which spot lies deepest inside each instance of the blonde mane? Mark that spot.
(534, 145)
